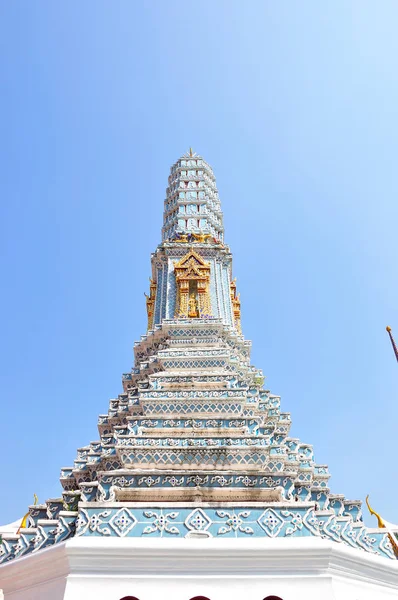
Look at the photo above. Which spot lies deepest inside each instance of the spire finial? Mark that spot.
(394, 347)
(190, 152)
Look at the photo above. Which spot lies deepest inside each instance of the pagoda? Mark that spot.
(193, 454)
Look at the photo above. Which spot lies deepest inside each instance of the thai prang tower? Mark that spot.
(195, 489)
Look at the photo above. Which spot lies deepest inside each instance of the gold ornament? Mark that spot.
(150, 302)
(235, 299)
(193, 286)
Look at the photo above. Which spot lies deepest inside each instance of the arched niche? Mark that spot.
(272, 598)
(129, 598)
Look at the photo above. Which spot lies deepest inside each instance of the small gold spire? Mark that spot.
(380, 522)
(190, 152)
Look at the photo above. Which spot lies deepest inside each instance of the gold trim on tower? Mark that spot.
(150, 302)
(193, 287)
(235, 299)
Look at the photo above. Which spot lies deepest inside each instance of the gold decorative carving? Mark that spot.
(150, 302)
(193, 307)
(193, 287)
(235, 299)
(201, 237)
(190, 237)
(182, 237)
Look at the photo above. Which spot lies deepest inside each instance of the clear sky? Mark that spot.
(294, 104)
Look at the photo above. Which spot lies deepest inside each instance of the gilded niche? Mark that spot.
(235, 299)
(150, 302)
(193, 287)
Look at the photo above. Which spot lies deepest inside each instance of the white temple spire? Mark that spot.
(192, 204)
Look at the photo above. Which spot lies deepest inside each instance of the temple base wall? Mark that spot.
(180, 569)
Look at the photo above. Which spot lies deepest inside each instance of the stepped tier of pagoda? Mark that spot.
(194, 446)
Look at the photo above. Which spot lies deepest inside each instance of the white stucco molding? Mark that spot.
(200, 558)
(45, 565)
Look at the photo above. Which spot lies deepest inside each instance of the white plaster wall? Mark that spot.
(346, 589)
(109, 569)
(214, 588)
(46, 590)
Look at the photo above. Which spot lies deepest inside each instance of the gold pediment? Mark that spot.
(191, 259)
(192, 266)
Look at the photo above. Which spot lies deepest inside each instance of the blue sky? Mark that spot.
(294, 104)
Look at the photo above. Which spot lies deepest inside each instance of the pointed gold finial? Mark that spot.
(380, 522)
(190, 152)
